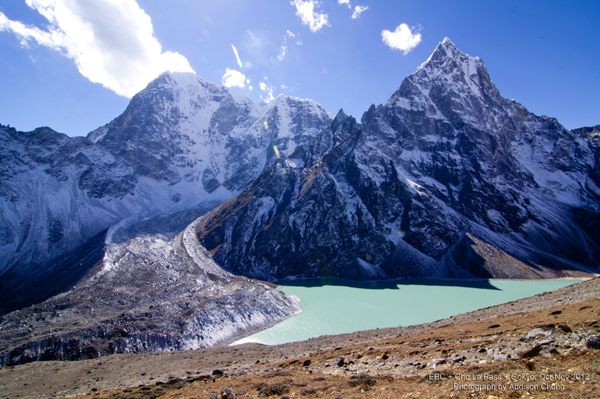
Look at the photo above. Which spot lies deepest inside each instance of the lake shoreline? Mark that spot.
(279, 283)
(332, 306)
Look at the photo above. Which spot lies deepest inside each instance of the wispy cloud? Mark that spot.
(110, 41)
(359, 10)
(306, 10)
(284, 47)
(346, 2)
(401, 39)
(233, 78)
(282, 52)
(253, 41)
(266, 87)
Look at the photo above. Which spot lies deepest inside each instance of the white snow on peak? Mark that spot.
(459, 78)
(445, 46)
(211, 139)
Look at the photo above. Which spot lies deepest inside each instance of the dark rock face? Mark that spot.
(447, 179)
(54, 197)
(593, 342)
(592, 135)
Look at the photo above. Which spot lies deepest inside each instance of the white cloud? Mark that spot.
(305, 9)
(284, 46)
(359, 10)
(233, 78)
(401, 39)
(26, 33)
(268, 89)
(346, 2)
(282, 52)
(111, 41)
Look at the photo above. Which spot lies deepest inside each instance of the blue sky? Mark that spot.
(73, 64)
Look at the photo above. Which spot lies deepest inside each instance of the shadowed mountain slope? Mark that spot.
(447, 179)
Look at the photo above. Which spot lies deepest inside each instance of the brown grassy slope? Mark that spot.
(539, 337)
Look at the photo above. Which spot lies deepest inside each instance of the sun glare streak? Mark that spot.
(237, 56)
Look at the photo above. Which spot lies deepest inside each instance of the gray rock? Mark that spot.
(593, 342)
(150, 292)
(538, 332)
(227, 393)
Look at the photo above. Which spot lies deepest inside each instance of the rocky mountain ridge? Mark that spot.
(180, 142)
(95, 256)
(447, 179)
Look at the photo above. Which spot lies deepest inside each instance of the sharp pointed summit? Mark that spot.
(446, 51)
(420, 188)
(449, 83)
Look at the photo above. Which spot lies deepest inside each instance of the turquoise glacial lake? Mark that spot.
(332, 306)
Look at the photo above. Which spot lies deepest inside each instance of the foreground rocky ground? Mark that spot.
(543, 346)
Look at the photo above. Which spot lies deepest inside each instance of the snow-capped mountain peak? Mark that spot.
(421, 187)
(182, 140)
(449, 82)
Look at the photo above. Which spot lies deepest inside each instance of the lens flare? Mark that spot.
(237, 56)
(266, 125)
(276, 151)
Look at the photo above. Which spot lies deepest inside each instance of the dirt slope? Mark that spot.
(538, 344)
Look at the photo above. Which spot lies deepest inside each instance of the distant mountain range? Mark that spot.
(447, 179)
